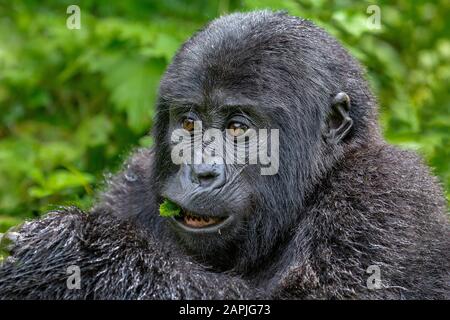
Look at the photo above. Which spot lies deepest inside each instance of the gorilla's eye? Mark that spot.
(236, 129)
(188, 124)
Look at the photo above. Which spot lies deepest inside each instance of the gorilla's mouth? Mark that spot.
(195, 221)
(191, 222)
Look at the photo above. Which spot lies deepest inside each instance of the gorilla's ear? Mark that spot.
(338, 123)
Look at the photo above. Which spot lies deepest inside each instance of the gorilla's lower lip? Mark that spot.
(202, 224)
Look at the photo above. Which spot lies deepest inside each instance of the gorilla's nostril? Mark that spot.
(207, 175)
(205, 179)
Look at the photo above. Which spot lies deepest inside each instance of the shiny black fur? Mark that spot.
(333, 209)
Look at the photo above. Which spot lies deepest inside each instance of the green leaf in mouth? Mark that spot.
(169, 209)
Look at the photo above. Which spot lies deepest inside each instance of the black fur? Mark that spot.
(311, 231)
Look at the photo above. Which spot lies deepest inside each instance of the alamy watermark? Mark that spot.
(374, 280)
(213, 147)
(74, 279)
(74, 20)
(374, 20)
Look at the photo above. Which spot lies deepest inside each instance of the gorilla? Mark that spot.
(346, 216)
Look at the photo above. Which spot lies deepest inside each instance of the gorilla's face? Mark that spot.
(224, 156)
(257, 94)
(210, 174)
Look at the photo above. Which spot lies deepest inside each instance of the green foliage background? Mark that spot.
(74, 102)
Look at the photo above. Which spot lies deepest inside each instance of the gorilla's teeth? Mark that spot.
(196, 221)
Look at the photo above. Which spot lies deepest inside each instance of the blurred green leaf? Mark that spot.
(73, 103)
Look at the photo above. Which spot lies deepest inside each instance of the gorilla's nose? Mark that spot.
(209, 176)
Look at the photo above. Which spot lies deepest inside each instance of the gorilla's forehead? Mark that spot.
(262, 56)
(238, 46)
(234, 57)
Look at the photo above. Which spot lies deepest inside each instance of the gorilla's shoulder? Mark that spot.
(116, 260)
(386, 176)
(67, 224)
(379, 206)
(130, 194)
(70, 233)
(99, 244)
